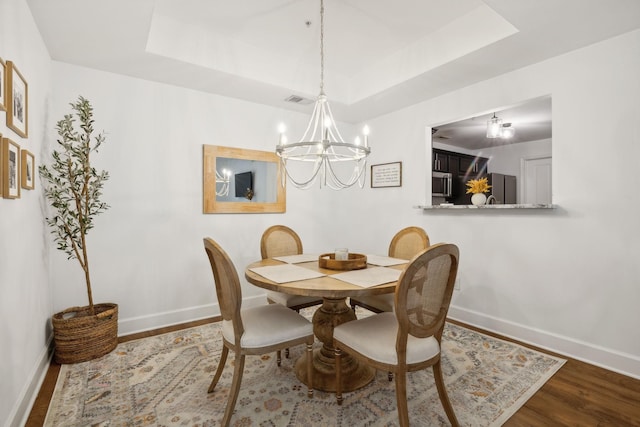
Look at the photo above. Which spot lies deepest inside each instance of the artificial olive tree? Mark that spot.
(73, 187)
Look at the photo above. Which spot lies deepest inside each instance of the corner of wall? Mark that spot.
(20, 413)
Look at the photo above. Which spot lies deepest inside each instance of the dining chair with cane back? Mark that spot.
(409, 338)
(404, 245)
(252, 331)
(280, 240)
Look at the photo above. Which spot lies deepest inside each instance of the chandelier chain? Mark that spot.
(321, 46)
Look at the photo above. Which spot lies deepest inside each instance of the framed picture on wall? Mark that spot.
(17, 100)
(1, 169)
(386, 175)
(27, 169)
(10, 169)
(3, 97)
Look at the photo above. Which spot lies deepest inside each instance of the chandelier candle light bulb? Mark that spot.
(327, 127)
(283, 138)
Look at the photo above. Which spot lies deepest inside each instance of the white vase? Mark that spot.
(478, 199)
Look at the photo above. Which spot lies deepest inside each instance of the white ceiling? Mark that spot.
(530, 119)
(380, 55)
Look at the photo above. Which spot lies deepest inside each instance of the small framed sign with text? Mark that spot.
(386, 175)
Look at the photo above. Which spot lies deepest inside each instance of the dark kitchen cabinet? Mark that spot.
(472, 167)
(440, 161)
(460, 191)
(459, 164)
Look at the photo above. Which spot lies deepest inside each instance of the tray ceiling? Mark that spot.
(379, 55)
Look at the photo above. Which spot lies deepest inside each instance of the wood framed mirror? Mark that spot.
(238, 180)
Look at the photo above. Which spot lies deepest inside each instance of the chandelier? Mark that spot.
(337, 164)
(222, 179)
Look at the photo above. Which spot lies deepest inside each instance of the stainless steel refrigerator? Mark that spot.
(503, 188)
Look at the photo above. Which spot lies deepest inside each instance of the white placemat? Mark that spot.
(384, 261)
(368, 277)
(284, 273)
(295, 259)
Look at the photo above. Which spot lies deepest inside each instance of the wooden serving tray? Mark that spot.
(355, 262)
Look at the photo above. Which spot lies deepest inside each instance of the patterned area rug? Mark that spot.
(163, 381)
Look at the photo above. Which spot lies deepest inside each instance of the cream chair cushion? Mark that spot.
(291, 300)
(267, 325)
(383, 302)
(375, 337)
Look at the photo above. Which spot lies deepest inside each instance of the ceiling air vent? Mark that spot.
(299, 100)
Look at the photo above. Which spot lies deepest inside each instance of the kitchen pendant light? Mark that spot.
(494, 127)
(507, 131)
(322, 147)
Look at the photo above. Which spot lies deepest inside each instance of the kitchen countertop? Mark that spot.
(514, 206)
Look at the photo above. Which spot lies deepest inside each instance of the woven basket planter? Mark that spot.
(79, 336)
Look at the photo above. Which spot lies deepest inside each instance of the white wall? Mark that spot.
(563, 279)
(25, 294)
(146, 251)
(537, 275)
(506, 159)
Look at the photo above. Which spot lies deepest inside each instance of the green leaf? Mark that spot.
(71, 185)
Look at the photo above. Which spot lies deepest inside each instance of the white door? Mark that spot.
(536, 180)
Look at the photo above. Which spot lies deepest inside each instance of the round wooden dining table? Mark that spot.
(333, 312)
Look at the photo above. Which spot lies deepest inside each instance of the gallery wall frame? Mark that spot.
(17, 100)
(27, 169)
(10, 169)
(1, 169)
(3, 97)
(386, 175)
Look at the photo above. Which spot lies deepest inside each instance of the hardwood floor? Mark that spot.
(579, 394)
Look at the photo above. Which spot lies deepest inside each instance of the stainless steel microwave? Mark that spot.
(442, 184)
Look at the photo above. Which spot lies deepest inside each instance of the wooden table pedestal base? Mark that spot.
(332, 313)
